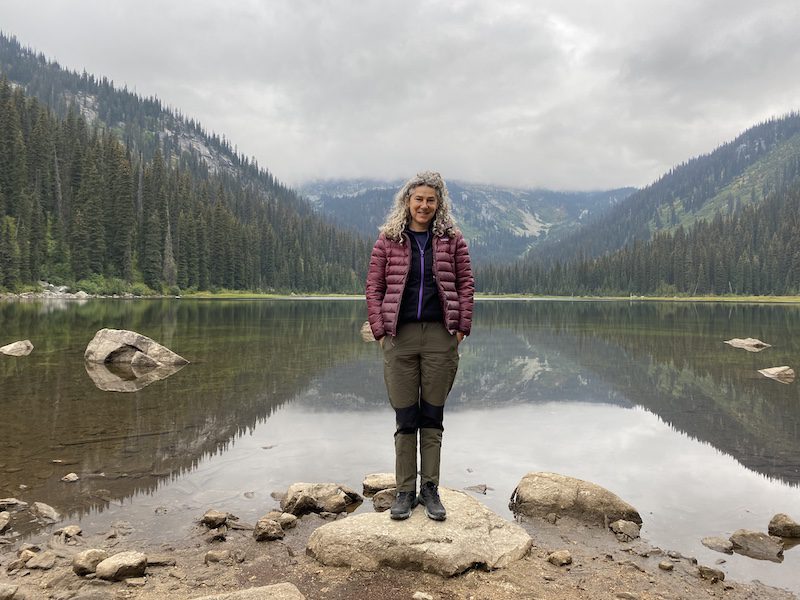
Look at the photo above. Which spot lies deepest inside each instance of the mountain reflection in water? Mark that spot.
(643, 398)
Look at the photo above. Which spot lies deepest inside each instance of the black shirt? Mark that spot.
(420, 296)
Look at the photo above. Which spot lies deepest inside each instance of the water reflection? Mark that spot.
(127, 377)
(645, 399)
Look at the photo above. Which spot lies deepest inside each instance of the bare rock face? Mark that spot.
(86, 562)
(540, 494)
(749, 344)
(123, 346)
(471, 536)
(278, 591)
(757, 544)
(783, 525)
(121, 566)
(304, 498)
(21, 348)
(376, 482)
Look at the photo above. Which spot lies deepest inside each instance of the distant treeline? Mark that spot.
(755, 250)
(78, 205)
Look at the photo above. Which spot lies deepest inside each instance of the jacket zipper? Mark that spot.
(421, 273)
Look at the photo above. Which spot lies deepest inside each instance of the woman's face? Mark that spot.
(422, 205)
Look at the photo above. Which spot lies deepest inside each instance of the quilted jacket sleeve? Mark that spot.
(465, 285)
(376, 287)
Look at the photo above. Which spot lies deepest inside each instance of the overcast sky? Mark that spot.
(564, 94)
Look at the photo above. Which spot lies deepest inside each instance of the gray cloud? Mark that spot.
(571, 95)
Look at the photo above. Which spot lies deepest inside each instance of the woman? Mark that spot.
(419, 299)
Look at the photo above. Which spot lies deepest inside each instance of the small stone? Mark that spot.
(666, 565)
(122, 565)
(12, 504)
(45, 512)
(710, 573)
(7, 591)
(782, 525)
(136, 582)
(70, 531)
(480, 488)
(21, 348)
(216, 556)
(267, 530)
(5, 519)
(287, 521)
(560, 558)
(626, 596)
(43, 560)
(422, 596)
(551, 518)
(217, 535)
(375, 482)
(383, 500)
(86, 562)
(214, 518)
(718, 544)
(70, 478)
(625, 531)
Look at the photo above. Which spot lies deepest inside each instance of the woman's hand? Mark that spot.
(460, 336)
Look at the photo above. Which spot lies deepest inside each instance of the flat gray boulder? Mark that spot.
(757, 544)
(278, 591)
(304, 498)
(123, 346)
(540, 494)
(21, 348)
(471, 536)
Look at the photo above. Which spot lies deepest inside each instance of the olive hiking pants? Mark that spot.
(419, 366)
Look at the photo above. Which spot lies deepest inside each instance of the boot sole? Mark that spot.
(429, 515)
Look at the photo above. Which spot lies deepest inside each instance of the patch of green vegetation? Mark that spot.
(747, 188)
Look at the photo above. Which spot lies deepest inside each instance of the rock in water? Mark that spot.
(122, 346)
(21, 348)
(749, 344)
(783, 374)
(121, 566)
(781, 525)
(278, 591)
(756, 544)
(304, 498)
(383, 500)
(472, 535)
(377, 482)
(626, 531)
(718, 544)
(44, 511)
(539, 494)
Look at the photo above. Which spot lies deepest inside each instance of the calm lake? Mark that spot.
(641, 398)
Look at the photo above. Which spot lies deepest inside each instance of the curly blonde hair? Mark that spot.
(397, 219)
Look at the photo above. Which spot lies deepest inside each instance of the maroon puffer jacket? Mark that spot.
(386, 280)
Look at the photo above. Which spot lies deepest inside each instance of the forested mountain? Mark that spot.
(723, 223)
(753, 250)
(500, 224)
(99, 184)
(763, 159)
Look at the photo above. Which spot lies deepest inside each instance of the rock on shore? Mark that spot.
(21, 348)
(471, 536)
(304, 498)
(540, 494)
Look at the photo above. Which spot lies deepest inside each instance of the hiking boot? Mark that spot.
(404, 503)
(429, 498)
